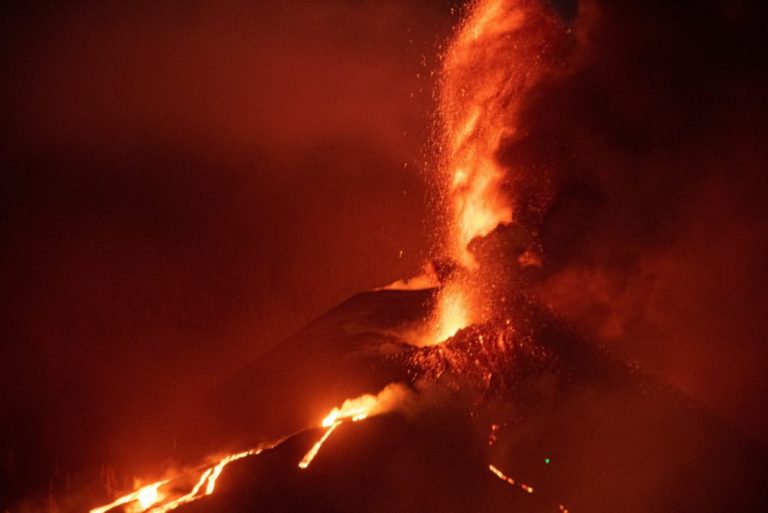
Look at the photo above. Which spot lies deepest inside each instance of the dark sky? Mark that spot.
(184, 184)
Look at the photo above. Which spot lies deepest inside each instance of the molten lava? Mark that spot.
(143, 498)
(493, 60)
(354, 410)
(149, 497)
(307, 459)
(475, 120)
(453, 313)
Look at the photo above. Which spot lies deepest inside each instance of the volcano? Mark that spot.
(560, 425)
(580, 165)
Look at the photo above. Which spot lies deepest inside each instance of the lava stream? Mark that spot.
(354, 410)
(526, 488)
(150, 499)
(144, 497)
(307, 459)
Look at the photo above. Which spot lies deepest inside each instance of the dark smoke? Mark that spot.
(643, 157)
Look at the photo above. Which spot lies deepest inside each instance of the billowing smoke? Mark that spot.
(634, 158)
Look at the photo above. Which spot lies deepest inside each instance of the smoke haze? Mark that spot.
(184, 185)
(637, 162)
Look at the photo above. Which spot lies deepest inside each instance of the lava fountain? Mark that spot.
(498, 54)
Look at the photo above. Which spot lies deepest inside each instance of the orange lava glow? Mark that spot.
(526, 488)
(501, 475)
(452, 314)
(474, 122)
(479, 99)
(307, 459)
(142, 499)
(357, 409)
(150, 498)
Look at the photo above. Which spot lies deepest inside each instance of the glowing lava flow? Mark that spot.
(149, 498)
(354, 410)
(526, 488)
(144, 498)
(307, 459)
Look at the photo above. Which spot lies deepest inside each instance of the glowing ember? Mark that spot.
(501, 475)
(526, 488)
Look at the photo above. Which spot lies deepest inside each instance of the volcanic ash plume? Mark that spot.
(503, 50)
(610, 167)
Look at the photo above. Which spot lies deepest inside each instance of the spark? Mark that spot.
(526, 488)
(501, 475)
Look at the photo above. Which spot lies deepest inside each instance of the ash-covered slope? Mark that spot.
(343, 353)
(556, 413)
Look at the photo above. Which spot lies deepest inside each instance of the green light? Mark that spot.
(546, 461)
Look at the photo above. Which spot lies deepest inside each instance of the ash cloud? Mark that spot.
(643, 157)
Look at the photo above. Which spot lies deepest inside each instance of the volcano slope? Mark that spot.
(570, 427)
